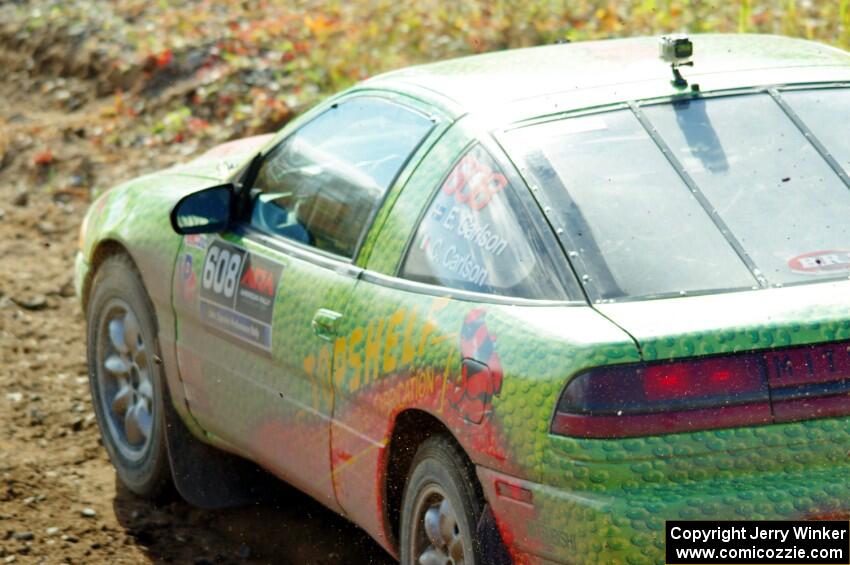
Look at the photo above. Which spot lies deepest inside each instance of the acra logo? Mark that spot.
(259, 280)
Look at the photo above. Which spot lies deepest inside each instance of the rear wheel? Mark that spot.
(125, 378)
(441, 508)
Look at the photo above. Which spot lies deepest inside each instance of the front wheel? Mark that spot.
(126, 381)
(441, 508)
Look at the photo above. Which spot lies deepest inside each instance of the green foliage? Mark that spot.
(745, 15)
(844, 18)
(259, 62)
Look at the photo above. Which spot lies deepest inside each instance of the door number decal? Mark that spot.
(238, 291)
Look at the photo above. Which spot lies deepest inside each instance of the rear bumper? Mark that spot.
(627, 525)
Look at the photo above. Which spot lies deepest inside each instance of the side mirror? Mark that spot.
(207, 211)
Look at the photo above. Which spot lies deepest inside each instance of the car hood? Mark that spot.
(223, 160)
(735, 321)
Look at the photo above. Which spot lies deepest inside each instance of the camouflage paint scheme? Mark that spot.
(321, 413)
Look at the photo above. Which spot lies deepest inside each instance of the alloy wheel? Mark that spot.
(436, 538)
(124, 380)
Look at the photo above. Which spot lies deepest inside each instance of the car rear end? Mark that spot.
(713, 230)
(727, 418)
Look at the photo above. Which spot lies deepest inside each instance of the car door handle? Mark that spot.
(324, 323)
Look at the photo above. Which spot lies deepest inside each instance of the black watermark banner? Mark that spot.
(759, 542)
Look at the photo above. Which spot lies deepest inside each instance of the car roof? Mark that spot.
(522, 82)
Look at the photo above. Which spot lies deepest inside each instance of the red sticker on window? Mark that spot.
(820, 262)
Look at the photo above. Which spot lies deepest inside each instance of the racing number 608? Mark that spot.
(221, 271)
(474, 183)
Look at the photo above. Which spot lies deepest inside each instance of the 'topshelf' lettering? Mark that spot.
(365, 354)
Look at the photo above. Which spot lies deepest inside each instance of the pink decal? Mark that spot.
(820, 262)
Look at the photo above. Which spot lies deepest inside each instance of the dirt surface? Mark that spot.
(59, 498)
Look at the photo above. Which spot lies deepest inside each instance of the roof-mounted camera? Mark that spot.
(678, 50)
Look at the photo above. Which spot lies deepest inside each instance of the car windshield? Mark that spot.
(700, 195)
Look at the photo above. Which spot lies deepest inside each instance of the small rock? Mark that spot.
(46, 228)
(36, 303)
(36, 417)
(21, 199)
(88, 512)
(23, 536)
(43, 158)
(10, 559)
(51, 531)
(74, 103)
(67, 289)
(14, 397)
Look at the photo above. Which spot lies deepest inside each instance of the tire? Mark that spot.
(126, 378)
(441, 507)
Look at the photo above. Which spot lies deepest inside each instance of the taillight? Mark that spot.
(777, 385)
(662, 398)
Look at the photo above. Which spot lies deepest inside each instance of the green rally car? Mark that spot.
(518, 306)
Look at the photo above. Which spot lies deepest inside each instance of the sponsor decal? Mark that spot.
(820, 262)
(481, 372)
(196, 240)
(418, 387)
(188, 280)
(238, 291)
(237, 325)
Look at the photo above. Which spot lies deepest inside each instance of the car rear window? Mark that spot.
(824, 111)
(704, 195)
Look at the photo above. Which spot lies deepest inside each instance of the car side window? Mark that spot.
(321, 184)
(481, 234)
